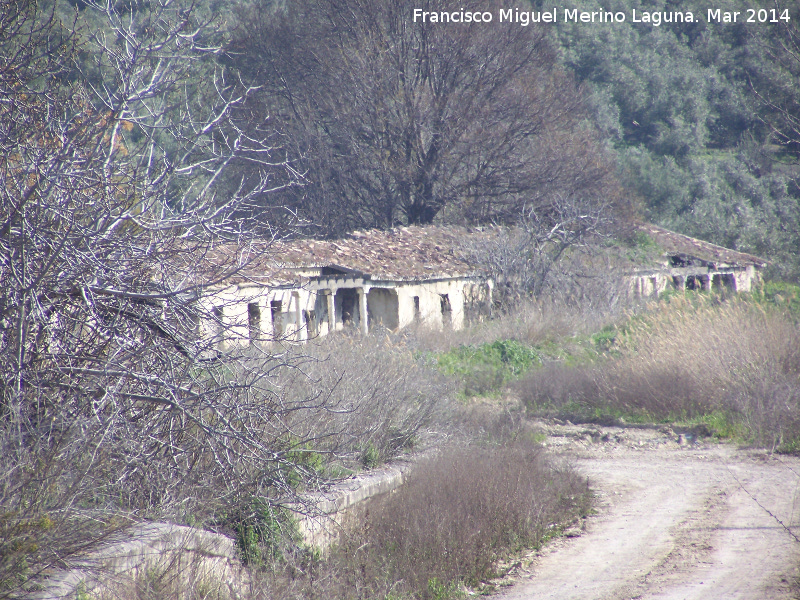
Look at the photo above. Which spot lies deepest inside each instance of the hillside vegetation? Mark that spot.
(701, 118)
(138, 137)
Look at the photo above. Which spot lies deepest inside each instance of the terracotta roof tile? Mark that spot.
(678, 244)
(416, 253)
(401, 254)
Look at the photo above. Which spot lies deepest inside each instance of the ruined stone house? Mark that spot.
(389, 279)
(296, 290)
(685, 263)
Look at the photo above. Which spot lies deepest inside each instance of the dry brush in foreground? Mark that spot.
(734, 364)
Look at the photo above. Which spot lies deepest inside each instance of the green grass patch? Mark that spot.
(779, 293)
(791, 446)
(720, 424)
(604, 340)
(579, 412)
(487, 368)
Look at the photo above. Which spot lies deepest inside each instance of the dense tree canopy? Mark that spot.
(701, 117)
(404, 122)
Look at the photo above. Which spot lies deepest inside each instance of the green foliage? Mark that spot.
(791, 446)
(605, 339)
(263, 530)
(439, 590)
(486, 368)
(22, 537)
(692, 139)
(302, 460)
(578, 411)
(370, 457)
(779, 293)
(720, 423)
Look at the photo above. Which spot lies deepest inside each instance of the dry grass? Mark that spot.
(332, 406)
(460, 513)
(378, 399)
(532, 322)
(688, 359)
(180, 577)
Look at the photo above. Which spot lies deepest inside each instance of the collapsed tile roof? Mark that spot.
(421, 253)
(679, 245)
(402, 254)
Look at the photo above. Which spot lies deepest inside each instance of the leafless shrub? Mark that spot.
(379, 399)
(544, 257)
(558, 386)
(114, 196)
(459, 514)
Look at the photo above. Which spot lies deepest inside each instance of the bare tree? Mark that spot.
(115, 148)
(404, 121)
(526, 260)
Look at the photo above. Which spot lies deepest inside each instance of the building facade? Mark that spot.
(392, 279)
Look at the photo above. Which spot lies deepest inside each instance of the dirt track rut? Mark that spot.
(675, 521)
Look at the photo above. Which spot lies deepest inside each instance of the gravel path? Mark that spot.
(676, 520)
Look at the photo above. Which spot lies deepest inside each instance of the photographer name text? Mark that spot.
(567, 15)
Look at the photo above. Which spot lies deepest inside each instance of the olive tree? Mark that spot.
(777, 86)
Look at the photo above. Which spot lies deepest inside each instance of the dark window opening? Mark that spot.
(254, 322)
(276, 308)
(346, 306)
(447, 310)
(724, 282)
(310, 322)
(416, 309)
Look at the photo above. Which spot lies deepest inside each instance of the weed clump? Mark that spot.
(456, 517)
(487, 368)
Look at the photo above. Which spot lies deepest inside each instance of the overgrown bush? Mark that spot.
(325, 407)
(487, 368)
(378, 399)
(690, 358)
(459, 514)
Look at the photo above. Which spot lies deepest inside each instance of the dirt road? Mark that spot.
(678, 518)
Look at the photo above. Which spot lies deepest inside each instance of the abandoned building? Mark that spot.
(301, 289)
(390, 279)
(686, 263)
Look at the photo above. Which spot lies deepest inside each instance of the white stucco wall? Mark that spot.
(257, 314)
(241, 325)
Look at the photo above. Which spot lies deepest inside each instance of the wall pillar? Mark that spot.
(301, 332)
(362, 309)
(490, 298)
(331, 310)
